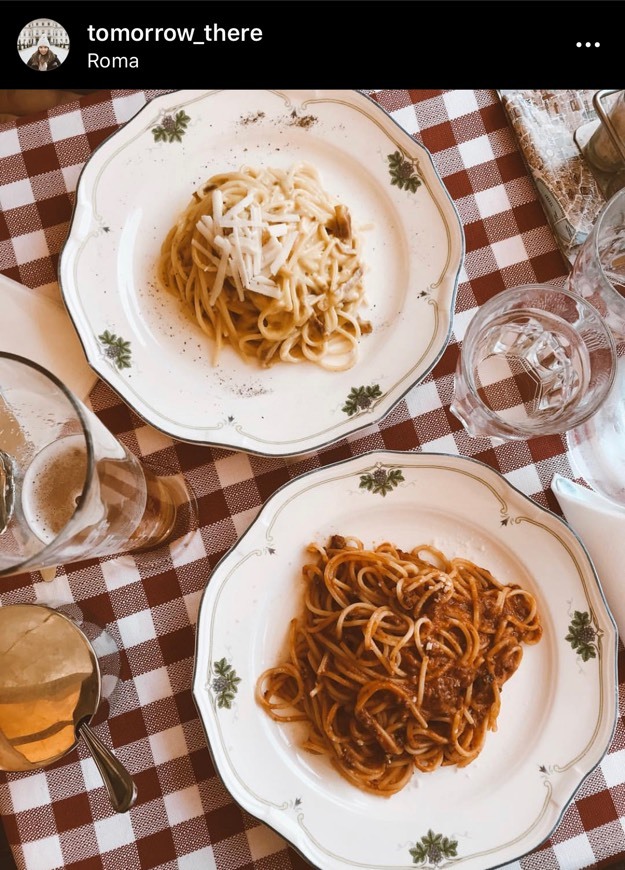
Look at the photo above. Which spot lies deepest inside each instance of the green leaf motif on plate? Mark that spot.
(381, 481)
(361, 398)
(432, 849)
(403, 172)
(116, 349)
(225, 684)
(172, 127)
(582, 635)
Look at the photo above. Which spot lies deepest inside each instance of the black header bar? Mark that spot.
(325, 43)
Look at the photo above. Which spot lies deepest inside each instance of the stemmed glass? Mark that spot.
(69, 490)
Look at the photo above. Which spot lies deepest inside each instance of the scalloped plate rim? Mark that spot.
(353, 424)
(608, 627)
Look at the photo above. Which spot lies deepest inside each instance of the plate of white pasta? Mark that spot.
(267, 271)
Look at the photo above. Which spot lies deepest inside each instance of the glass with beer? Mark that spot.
(69, 490)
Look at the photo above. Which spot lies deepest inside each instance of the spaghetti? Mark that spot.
(267, 262)
(398, 660)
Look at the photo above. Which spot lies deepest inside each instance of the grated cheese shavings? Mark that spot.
(238, 250)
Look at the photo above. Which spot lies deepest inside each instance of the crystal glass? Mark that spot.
(598, 273)
(69, 490)
(535, 360)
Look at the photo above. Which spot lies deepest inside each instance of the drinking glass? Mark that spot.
(535, 360)
(598, 273)
(69, 490)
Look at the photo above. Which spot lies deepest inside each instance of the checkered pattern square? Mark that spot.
(185, 819)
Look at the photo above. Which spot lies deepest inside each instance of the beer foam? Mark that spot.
(53, 486)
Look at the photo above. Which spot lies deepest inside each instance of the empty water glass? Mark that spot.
(536, 360)
(599, 270)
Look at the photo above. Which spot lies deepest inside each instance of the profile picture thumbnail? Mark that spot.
(43, 44)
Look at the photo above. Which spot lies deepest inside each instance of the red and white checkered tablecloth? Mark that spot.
(184, 817)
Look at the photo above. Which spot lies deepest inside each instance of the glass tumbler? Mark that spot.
(535, 360)
(69, 490)
(598, 273)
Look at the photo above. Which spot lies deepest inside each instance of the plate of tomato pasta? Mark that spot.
(239, 262)
(392, 657)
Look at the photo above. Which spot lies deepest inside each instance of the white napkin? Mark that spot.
(36, 327)
(601, 526)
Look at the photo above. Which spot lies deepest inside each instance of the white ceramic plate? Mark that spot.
(558, 710)
(144, 346)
